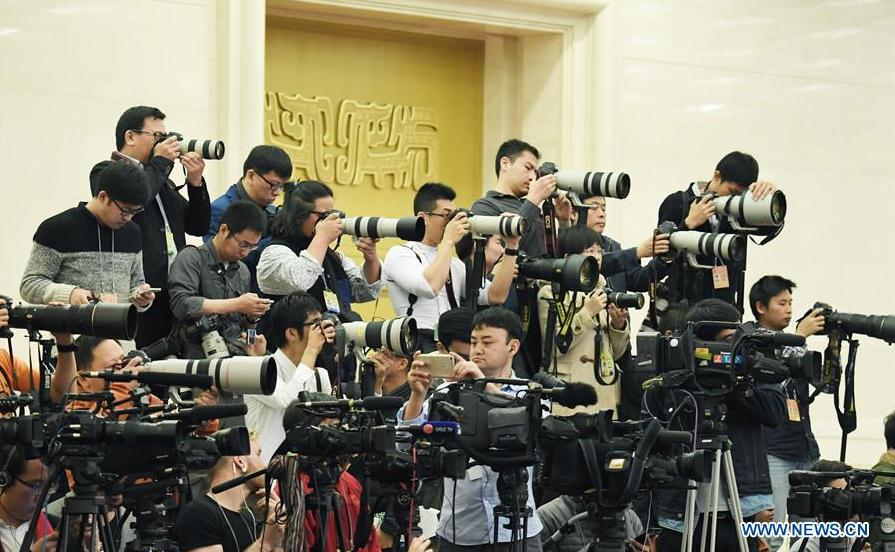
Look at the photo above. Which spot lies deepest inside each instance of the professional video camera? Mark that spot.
(208, 149)
(107, 320)
(573, 273)
(406, 228)
(588, 184)
(714, 367)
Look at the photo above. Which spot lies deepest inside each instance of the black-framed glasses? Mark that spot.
(315, 322)
(157, 136)
(434, 214)
(244, 245)
(36, 487)
(273, 185)
(125, 211)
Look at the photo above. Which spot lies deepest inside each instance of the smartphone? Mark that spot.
(142, 291)
(251, 334)
(438, 365)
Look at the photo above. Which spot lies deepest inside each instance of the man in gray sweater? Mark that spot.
(92, 252)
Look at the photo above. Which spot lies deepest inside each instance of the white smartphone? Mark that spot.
(438, 365)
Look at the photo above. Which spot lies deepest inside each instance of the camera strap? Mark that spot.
(449, 286)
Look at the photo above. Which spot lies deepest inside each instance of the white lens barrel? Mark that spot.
(723, 246)
(508, 226)
(208, 149)
(243, 374)
(406, 228)
(589, 184)
(745, 211)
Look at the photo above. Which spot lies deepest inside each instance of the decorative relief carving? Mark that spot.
(394, 145)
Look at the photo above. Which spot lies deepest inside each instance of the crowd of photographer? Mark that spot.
(227, 396)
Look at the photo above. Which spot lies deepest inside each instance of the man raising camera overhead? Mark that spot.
(141, 136)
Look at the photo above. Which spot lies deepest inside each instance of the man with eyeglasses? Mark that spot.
(92, 252)
(20, 483)
(209, 285)
(141, 136)
(425, 279)
(264, 175)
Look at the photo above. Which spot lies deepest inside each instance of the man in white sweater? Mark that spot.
(298, 331)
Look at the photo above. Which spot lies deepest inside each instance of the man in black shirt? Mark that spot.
(168, 216)
(692, 209)
(224, 522)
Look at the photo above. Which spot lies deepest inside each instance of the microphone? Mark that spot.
(153, 378)
(198, 414)
(569, 395)
(237, 481)
(449, 410)
(369, 403)
(781, 339)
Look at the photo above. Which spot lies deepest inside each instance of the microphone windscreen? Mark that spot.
(576, 394)
(383, 403)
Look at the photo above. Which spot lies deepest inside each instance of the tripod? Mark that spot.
(324, 500)
(152, 524)
(87, 506)
(722, 465)
(512, 490)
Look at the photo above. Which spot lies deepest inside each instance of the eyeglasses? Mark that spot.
(125, 211)
(273, 185)
(246, 246)
(315, 322)
(36, 487)
(158, 136)
(434, 214)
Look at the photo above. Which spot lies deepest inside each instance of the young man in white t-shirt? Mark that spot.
(298, 331)
(417, 273)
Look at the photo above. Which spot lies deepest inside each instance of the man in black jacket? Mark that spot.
(141, 135)
(692, 209)
(747, 410)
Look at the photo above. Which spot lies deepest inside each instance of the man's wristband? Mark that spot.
(511, 252)
(69, 348)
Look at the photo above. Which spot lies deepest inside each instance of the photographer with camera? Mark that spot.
(887, 460)
(466, 517)
(92, 252)
(791, 445)
(748, 408)
(520, 191)
(693, 209)
(226, 522)
(598, 332)
(298, 332)
(209, 288)
(18, 376)
(141, 136)
(21, 480)
(299, 257)
(425, 279)
(265, 173)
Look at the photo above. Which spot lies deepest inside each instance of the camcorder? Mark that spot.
(729, 247)
(572, 273)
(713, 367)
(405, 228)
(588, 184)
(208, 149)
(106, 320)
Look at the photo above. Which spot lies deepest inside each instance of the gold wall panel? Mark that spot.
(375, 114)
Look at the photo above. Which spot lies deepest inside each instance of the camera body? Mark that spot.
(878, 326)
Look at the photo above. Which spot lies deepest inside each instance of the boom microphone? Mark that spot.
(202, 413)
(369, 403)
(569, 395)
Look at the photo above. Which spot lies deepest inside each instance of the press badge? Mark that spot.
(332, 302)
(792, 408)
(170, 246)
(719, 277)
(475, 473)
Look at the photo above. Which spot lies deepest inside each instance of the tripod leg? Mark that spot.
(711, 510)
(336, 508)
(734, 494)
(689, 518)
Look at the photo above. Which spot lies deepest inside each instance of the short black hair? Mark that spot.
(429, 193)
(829, 466)
(86, 345)
(499, 317)
(715, 310)
(134, 118)
(244, 215)
(766, 288)
(889, 430)
(297, 207)
(576, 238)
(738, 167)
(263, 159)
(512, 149)
(455, 325)
(14, 460)
(124, 182)
(289, 312)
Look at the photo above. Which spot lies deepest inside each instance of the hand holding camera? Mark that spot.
(542, 188)
(812, 323)
(595, 303)
(653, 246)
(618, 317)
(194, 165)
(4, 313)
(328, 229)
(456, 229)
(169, 148)
(367, 248)
(80, 296)
(700, 211)
(761, 189)
(251, 305)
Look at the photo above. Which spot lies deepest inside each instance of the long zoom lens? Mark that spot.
(508, 226)
(745, 211)
(208, 149)
(589, 184)
(406, 228)
(244, 374)
(106, 320)
(574, 273)
(730, 247)
(398, 335)
(879, 326)
(624, 300)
